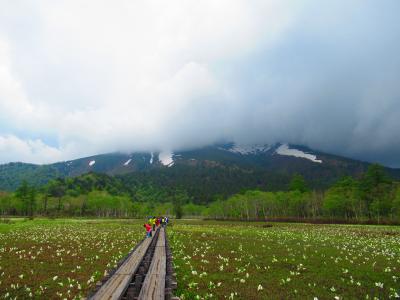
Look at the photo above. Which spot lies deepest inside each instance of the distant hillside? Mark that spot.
(12, 174)
(219, 169)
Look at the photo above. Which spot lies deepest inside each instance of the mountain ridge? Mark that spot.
(279, 159)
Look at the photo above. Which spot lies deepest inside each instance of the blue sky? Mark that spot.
(86, 77)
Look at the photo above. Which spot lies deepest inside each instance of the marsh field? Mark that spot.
(65, 258)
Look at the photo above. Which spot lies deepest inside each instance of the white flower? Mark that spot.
(259, 288)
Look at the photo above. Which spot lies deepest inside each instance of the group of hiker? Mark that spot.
(153, 223)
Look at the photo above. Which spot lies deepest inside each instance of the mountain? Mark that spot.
(222, 169)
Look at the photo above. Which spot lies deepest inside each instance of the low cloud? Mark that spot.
(80, 78)
(35, 151)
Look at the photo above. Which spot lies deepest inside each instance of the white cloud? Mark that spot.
(96, 76)
(108, 77)
(13, 100)
(33, 151)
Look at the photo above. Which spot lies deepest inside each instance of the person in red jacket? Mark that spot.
(148, 229)
(158, 222)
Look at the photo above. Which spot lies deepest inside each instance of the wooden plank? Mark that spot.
(154, 283)
(118, 282)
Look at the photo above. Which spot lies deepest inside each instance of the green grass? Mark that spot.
(57, 259)
(219, 260)
(64, 258)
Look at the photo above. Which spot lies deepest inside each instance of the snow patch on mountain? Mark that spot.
(166, 158)
(152, 157)
(91, 163)
(285, 150)
(128, 162)
(248, 149)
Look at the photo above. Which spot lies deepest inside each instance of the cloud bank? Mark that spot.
(86, 77)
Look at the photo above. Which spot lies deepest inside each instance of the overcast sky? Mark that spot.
(86, 77)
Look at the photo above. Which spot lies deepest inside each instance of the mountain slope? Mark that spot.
(246, 166)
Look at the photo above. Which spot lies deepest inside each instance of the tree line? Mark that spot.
(96, 195)
(374, 196)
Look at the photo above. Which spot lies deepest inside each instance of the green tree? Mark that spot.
(57, 189)
(192, 209)
(178, 209)
(298, 203)
(298, 183)
(343, 200)
(31, 201)
(334, 204)
(6, 205)
(396, 203)
(216, 210)
(375, 189)
(179, 198)
(24, 194)
(269, 205)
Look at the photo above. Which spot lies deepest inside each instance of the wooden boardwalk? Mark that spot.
(154, 283)
(117, 284)
(153, 286)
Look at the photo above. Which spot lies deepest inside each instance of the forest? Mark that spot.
(373, 197)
